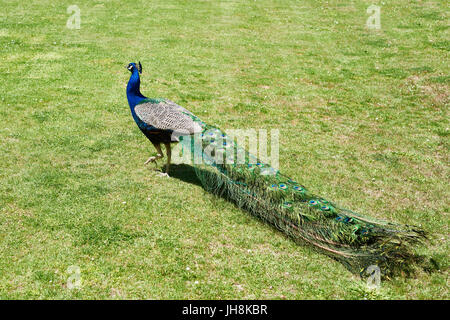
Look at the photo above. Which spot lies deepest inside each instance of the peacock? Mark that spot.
(158, 119)
(228, 170)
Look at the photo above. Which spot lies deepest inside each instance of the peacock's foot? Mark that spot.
(163, 174)
(152, 159)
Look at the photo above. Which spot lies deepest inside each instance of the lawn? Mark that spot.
(362, 115)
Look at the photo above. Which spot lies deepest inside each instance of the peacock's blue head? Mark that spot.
(132, 66)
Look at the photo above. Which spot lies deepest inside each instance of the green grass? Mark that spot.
(363, 120)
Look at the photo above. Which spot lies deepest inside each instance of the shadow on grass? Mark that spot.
(184, 173)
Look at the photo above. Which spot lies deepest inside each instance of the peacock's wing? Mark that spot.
(165, 115)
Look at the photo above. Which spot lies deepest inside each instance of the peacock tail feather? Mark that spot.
(355, 240)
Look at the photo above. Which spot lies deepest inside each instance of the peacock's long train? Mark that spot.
(358, 241)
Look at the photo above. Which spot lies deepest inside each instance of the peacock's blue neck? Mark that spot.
(134, 95)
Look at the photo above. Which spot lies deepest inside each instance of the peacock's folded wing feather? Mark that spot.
(162, 114)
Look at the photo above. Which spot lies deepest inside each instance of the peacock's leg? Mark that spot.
(169, 155)
(159, 154)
